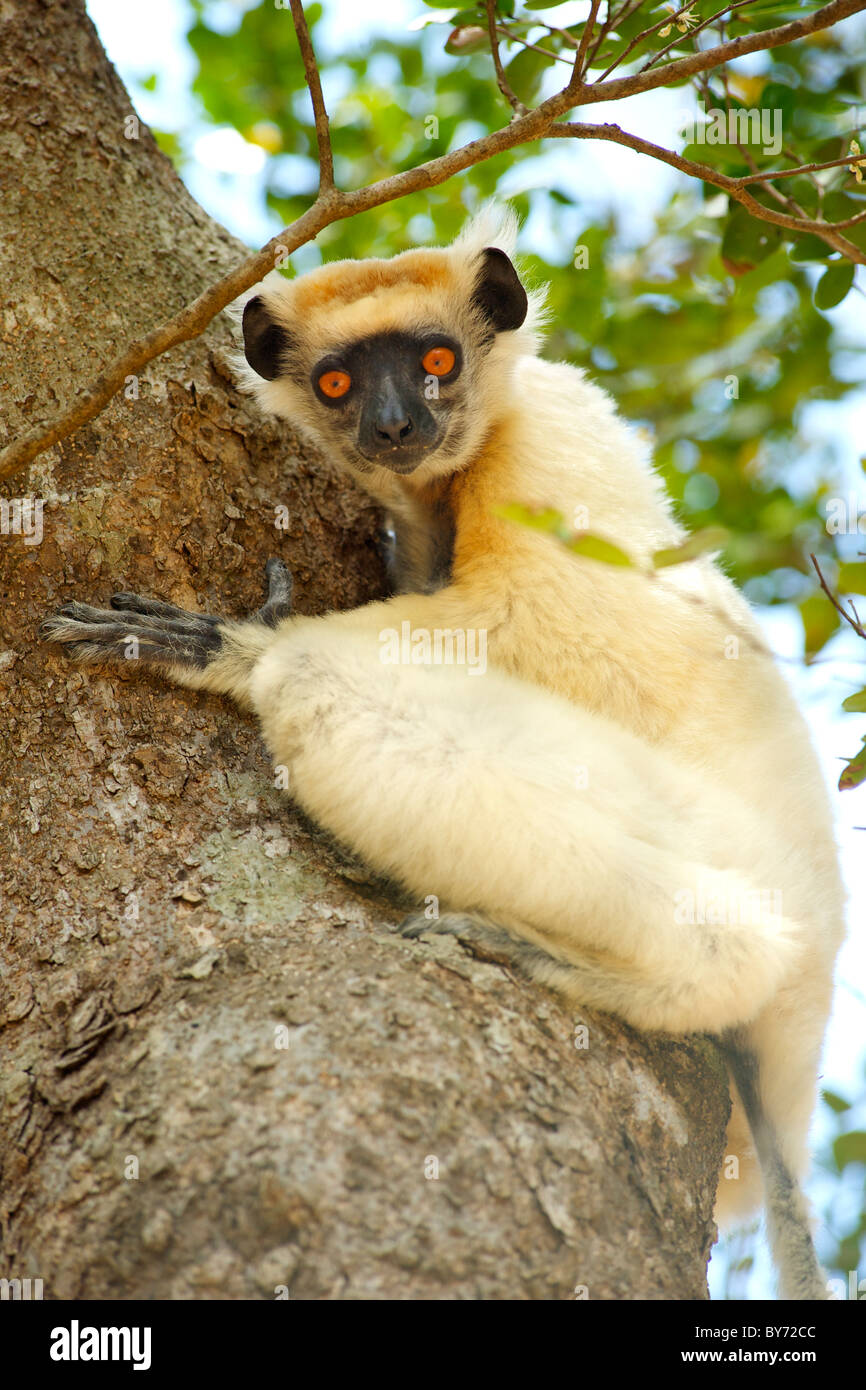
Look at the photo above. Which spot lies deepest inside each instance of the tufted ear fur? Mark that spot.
(265, 342)
(498, 291)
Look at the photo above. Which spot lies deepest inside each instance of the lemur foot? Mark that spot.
(148, 629)
(586, 984)
(483, 938)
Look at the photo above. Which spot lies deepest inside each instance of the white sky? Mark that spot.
(226, 179)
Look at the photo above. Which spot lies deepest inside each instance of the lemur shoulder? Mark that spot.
(612, 768)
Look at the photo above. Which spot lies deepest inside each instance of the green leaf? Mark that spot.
(701, 543)
(834, 284)
(747, 241)
(524, 74)
(837, 1103)
(169, 144)
(542, 519)
(820, 620)
(809, 248)
(852, 578)
(593, 547)
(855, 771)
(552, 522)
(468, 38)
(855, 704)
(850, 1148)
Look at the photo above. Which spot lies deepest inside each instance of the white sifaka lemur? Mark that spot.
(624, 801)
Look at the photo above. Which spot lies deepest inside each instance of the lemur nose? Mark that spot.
(394, 429)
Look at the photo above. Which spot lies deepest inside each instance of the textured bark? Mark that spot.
(221, 1071)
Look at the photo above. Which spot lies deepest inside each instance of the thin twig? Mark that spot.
(801, 169)
(566, 37)
(852, 622)
(692, 32)
(781, 198)
(614, 17)
(320, 114)
(501, 80)
(579, 62)
(534, 47)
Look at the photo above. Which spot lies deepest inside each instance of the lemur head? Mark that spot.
(397, 365)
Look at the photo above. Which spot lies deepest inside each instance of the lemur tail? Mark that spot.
(790, 1238)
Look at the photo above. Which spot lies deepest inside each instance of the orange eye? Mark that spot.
(439, 361)
(334, 384)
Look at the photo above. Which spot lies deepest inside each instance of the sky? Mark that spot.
(226, 178)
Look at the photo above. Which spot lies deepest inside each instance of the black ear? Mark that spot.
(498, 293)
(265, 342)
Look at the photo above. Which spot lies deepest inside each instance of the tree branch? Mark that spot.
(501, 79)
(320, 114)
(534, 47)
(580, 60)
(825, 230)
(801, 169)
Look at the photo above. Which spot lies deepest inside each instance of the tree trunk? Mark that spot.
(223, 1075)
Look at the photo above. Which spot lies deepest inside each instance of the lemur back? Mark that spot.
(612, 798)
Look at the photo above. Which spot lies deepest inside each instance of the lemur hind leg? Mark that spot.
(462, 788)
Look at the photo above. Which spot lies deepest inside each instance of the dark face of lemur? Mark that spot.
(393, 398)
